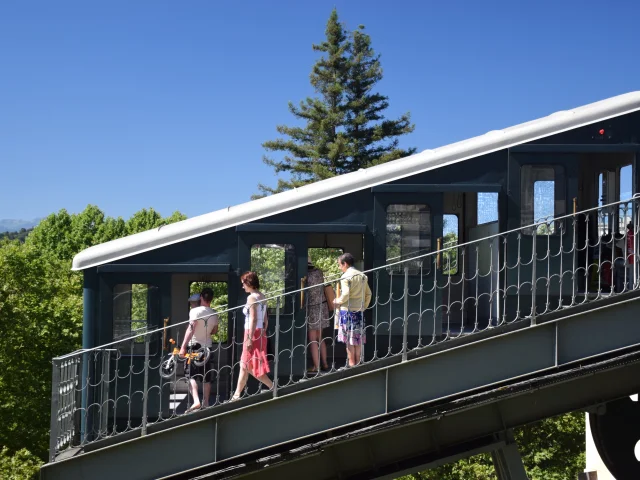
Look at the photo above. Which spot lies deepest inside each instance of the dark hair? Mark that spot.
(206, 294)
(346, 258)
(250, 279)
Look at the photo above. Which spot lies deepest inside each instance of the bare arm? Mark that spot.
(214, 330)
(265, 319)
(187, 336)
(253, 315)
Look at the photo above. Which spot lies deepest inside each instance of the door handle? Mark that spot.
(164, 334)
(303, 282)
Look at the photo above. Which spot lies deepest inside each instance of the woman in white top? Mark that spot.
(254, 348)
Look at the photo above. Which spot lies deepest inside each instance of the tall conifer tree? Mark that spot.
(345, 129)
(372, 138)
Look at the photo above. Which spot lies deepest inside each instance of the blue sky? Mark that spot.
(165, 104)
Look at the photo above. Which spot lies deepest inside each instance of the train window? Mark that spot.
(275, 266)
(537, 198)
(325, 260)
(408, 235)
(450, 239)
(487, 207)
(626, 192)
(135, 308)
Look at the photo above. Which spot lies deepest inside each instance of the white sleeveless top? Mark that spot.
(262, 308)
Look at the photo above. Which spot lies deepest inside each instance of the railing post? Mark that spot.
(104, 392)
(534, 258)
(277, 350)
(634, 231)
(55, 403)
(145, 391)
(406, 312)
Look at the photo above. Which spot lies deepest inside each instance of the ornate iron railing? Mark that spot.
(416, 303)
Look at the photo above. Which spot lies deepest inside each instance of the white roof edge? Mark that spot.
(351, 182)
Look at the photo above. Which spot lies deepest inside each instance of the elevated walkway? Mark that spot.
(379, 419)
(404, 410)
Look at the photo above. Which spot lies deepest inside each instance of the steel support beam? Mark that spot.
(508, 462)
(372, 394)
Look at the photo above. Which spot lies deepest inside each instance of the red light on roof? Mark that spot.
(601, 132)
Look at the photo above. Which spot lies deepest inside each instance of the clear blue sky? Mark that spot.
(165, 104)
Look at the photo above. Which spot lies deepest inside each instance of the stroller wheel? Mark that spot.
(168, 368)
(203, 355)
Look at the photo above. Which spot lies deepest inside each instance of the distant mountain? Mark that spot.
(9, 225)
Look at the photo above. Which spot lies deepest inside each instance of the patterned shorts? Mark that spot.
(351, 328)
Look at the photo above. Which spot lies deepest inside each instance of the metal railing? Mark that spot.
(415, 303)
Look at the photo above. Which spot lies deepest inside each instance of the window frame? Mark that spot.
(428, 236)
(559, 197)
(289, 280)
(153, 317)
(497, 195)
(457, 272)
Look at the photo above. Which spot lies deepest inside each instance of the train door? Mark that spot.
(605, 178)
(323, 252)
(407, 225)
(279, 259)
(130, 304)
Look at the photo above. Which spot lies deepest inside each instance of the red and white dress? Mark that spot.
(256, 360)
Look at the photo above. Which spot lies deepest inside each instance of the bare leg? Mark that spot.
(323, 353)
(194, 393)
(314, 336)
(266, 380)
(206, 393)
(242, 380)
(357, 349)
(350, 355)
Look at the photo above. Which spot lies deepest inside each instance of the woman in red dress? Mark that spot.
(254, 348)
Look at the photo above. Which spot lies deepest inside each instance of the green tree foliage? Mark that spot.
(325, 259)
(552, 449)
(344, 127)
(21, 235)
(269, 262)
(41, 317)
(22, 465)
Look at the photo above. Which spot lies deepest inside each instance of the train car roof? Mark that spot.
(365, 178)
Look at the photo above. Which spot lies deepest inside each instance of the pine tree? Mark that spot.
(345, 129)
(316, 151)
(373, 140)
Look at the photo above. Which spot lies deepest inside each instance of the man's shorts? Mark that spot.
(204, 373)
